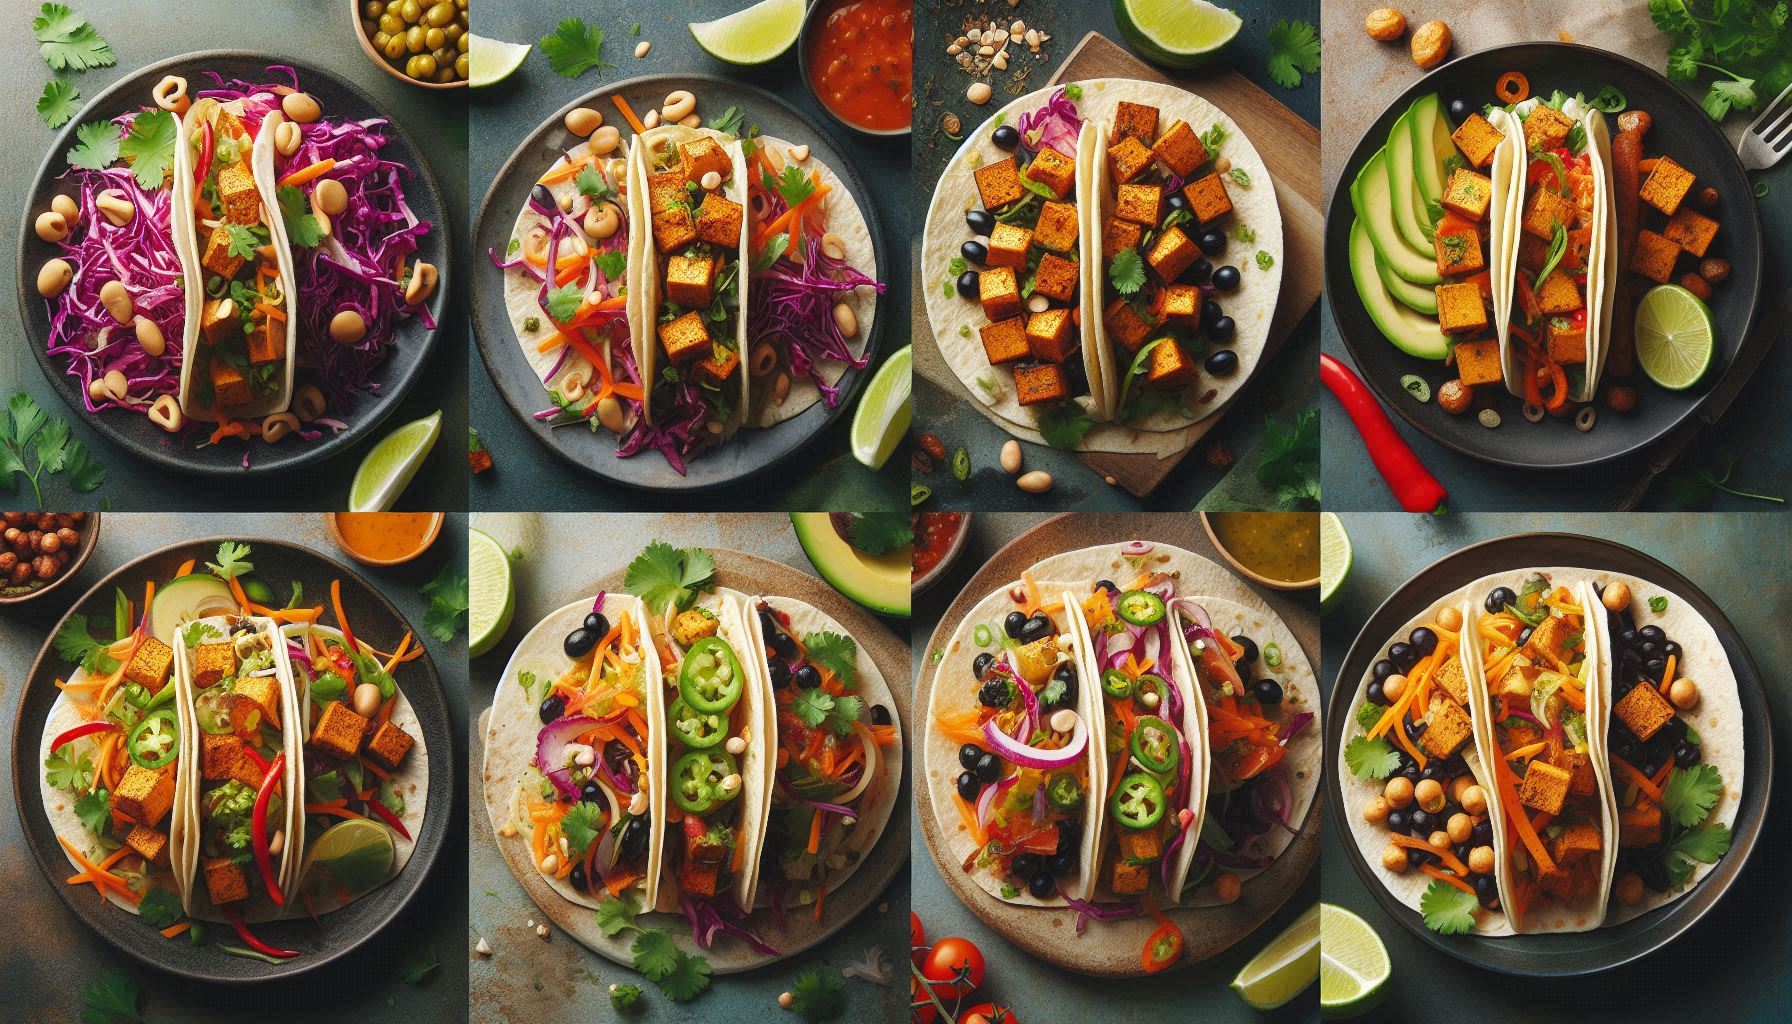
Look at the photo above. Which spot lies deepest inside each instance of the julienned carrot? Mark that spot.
(305, 174)
(341, 619)
(1508, 783)
(1447, 878)
(1449, 858)
(567, 171)
(628, 113)
(783, 220)
(175, 930)
(186, 568)
(1636, 777)
(1667, 676)
(270, 312)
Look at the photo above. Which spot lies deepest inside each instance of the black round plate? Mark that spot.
(394, 376)
(1577, 953)
(1681, 130)
(336, 934)
(750, 451)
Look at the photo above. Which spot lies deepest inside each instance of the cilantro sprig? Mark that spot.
(67, 42)
(1290, 463)
(819, 709)
(59, 103)
(76, 644)
(681, 976)
(113, 999)
(665, 576)
(38, 446)
(233, 561)
(448, 604)
(149, 147)
(817, 994)
(574, 48)
(1743, 45)
(1293, 48)
(1371, 757)
(1448, 910)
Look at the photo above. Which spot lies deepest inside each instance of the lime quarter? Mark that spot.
(1176, 33)
(756, 35)
(355, 856)
(491, 593)
(491, 61)
(1334, 560)
(1284, 968)
(389, 466)
(885, 410)
(1353, 964)
(1674, 336)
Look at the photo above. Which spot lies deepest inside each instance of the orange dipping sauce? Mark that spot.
(386, 536)
(861, 62)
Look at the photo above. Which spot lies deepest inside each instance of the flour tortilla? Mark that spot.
(1504, 212)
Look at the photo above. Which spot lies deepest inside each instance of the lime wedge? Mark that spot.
(491, 61)
(1353, 964)
(1334, 559)
(758, 34)
(1284, 968)
(355, 855)
(491, 596)
(884, 413)
(389, 465)
(1177, 33)
(1674, 337)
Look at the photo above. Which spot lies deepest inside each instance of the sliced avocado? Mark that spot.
(1409, 331)
(1371, 196)
(184, 599)
(1419, 297)
(1431, 146)
(879, 582)
(1407, 202)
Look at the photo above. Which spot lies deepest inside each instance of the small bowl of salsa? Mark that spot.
(939, 538)
(858, 61)
(384, 538)
(1279, 550)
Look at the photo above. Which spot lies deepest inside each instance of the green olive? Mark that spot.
(440, 14)
(410, 11)
(421, 67)
(413, 39)
(394, 48)
(453, 33)
(373, 8)
(434, 38)
(460, 66)
(461, 43)
(380, 39)
(390, 22)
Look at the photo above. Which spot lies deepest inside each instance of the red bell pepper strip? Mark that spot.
(264, 861)
(389, 818)
(1413, 485)
(204, 164)
(83, 730)
(261, 763)
(242, 932)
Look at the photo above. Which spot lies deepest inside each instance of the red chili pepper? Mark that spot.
(261, 763)
(242, 932)
(83, 730)
(264, 861)
(391, 819)
(205, 157)
(1413, 485)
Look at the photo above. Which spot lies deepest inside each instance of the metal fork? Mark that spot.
(1767, 141)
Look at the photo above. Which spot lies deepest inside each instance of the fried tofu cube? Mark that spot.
(1690, 230)
(696, 878)
(222, 758)
(686, 339)
(1533, 253)
(1666, 185)
(237, 194)
(1049, 335)
(1057, 226)
(225, 881)
(144, 795)
(719, 364)
(1558, 293)
(150, 666)
(1172, 253)
(1119, 235)
(706, 846)
(998, 184)
(150, 844)
(1580, 771)
(217, 258)
(1644, 711)
(1126, 879)
(1546, 128)
(665, 190)
(339, 731)
(1468, 194)
(267, 342)
(1182, 306)
(1460, 310)
(672, 229)
(693, 625)
(999, 293)
(1477, 139)
(1654, 256)
(1008, 246)
(1447, 730)
(1553, 640)
(212, 662)
(1639, 825)
(1208, 199)
(1141, 204)
(1451, 679)
(1567, 343)
(1544, 787)
(1135, 121)
(1055, 277)
(264, 691)
(1459, 252)
(1005, 341)
(1127, 159)
(218, 321)
(1169, 366)
(1054, 170)
(1125, 325)
(1180, 150)
(1561, 883)
(1545, 210)
(1575, 843)
(701, 155)
(1141, 845)
(691, 279)
(389, 746)
(1035, 385)
(719, 221)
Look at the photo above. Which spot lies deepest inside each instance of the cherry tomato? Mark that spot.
(917, 938)
(920, 1011)
(957, 963)
(989, 1013)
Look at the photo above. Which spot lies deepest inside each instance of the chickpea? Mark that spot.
(1394, 858)
(1450, 618)
(1461, 827)
(1616, 597)
(12, 518)
(13, 534)
(1430, 44)
(1385, 24)
(49, 543)
(1457, 786)
(8, 559)
(45, 567)
(1629, 888)
(1684, 693)
(1439, 841)
(1399, 792)
(1480, 860)
(68, 537)
(21, 573)
(1620, 398)
(347, 327)
(367, 699)
(1474, 800)
(1226, 888)
(1376, 810)
(1454, 397)
(1393, 686)
(1715, 270)
(1430, 795)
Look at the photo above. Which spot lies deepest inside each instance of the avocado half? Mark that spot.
(879, 582)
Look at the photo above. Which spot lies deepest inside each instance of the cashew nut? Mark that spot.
(115, 385)
(165, 413)
(171, 94)
(117, 301)
(799, 153)
(149, 336)
(277, 426)
(287, 136)
(51, 226)
(347, 327)
(301, 107)
(691, 121)
(422, 283)
(53, 277)
(603, 221)
(679, 103)
(582, 121)
(308, 402)
(116, 207)
(329, 196)
(651, 119)
(572, 387)
(834, 246)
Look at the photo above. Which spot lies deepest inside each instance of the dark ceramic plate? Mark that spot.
(394, 376)
(1578, 953)
(750, 451)
(335, 935)
(1681, 130)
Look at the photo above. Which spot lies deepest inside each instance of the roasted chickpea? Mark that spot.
(1480, 860)
(1439, 841)
(45, 567)
(7, 560)
(1696, 285)
(1376, 810)
(1620, 398)
(1616, 596)
(1450, 618)
(1474, 800)
(49, 543)
(1629, 888)
(1430, 795)
(1684, 693)
(1454, 397)
(21, 573)
(1399, 792)
(1227, 887)
(1394, 686)
(69, 537)
(13, 535)
(1385, 24)
(12, 518)
(1460, 827)
(1394, 859)
(1457, 786)
(1715, 270)
(1430, 44)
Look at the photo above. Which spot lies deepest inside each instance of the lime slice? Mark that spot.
(758, 34)
(1334, 559)
(884, 413)
(1284, 968)
(389, 465)
(491, 596)
(355, 855)
(1674, 337)
(491, 61)
(1178, 33)
(1353, 964)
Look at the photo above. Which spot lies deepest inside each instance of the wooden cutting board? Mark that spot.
(1290, 146)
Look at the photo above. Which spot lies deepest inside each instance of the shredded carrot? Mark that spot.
(1414, 843)
(1446, 877)
(1508, 783)
(271, 312)
(782, 223)
(1637, 778)
(567, 171)
(1667, 676)
(175, 930)
(1529, 750)
(232, 428)
(185, 568)
(628, 113)
(305, 174)
(341, 619)
(968, 815)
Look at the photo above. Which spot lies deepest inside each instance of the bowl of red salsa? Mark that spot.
(939, 537)
(858, 61)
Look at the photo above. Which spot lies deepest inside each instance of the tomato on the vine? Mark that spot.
(920, 1011)
(917, 938)
(957, 963)
(988, 1013)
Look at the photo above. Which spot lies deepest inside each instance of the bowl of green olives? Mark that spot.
(423, 42)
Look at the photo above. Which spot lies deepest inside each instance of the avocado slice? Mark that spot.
(1372, 196)
(1408, 330)
(879, 582)
(1431, 146)
(1407, 202)
(185, 599)
(1419, 297)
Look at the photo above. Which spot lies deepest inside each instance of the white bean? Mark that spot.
(308, 403)
(149, 336)
(301, 107)
(422, 283)
(1011, 456)
(116, 207)
(65, 205)
(287, 136)
(605, 140)
(330, 196)
(1036, 482)
(51, 226)
(117, 301)
(53, 277)
(641, 48)
(347, 327)
(846, 320)
(978, 93)
(609, 413)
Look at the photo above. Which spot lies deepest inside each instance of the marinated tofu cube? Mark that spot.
(217, 258)
(339, 731)
(1129, 879)
(150, 666)
(686, 339)
(999, 293)
(702, 155)
(1461, 311)
(719, 364)
(1450, 679)
(237, 194)
(230, 388)
(1575, 842)
(1050, 337)
(1055, 277)
(1005, 341)
(693, 625)
(1124, 325)
(1141, 204)
(1468, 194)
(149, 843)
(1118, 235)
(212, 662)
(1008, 245)
(1691, 230)
(1654, 256)
(225, 881)
(1565, 885)
(1666, 185)
(1458, 252)
(1533, 252)
(1169, 366)
(1567, 343)
(1172, 253)
(998, 184)
(389, 746)
(1643, 711)
(665, 190)
(673, 229)
(1477, 139)
(1056, 228)
(266, 341)
(1182, 306)
(1639, 825)
(221, 757)
(264, 691)
(705, 845)
(1558, 293)
(1141, 846)
(1544, 211)
(1546, 128)
(1035, 385)
(218, 321)
(1554, 641)
(1448, 729)
(1544, 787)
(1208, 199)
(1054, 170)
(691, 279)
(1135, 121)
(1127, 159)
(719, 221)
(1180, 150)
(144, 795)
(1520, 679)
(1580, 771)
(695, 878)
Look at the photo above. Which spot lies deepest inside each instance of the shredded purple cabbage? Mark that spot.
(794, 308)
(1056, 124)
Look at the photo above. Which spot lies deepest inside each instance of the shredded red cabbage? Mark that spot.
(794, 308)
(1056, 124)
(709, 918)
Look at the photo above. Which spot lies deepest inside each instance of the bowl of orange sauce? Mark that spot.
(858, 61)
(384, 538)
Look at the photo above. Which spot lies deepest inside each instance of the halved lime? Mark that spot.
(1284, 968)
(758, 34)
(1674, 336)
(1353, 964)
(1177, 33)
(355, 855)
(1334, 559)
(491, 595)
(884, 413)
(389, 466)
(491, 61)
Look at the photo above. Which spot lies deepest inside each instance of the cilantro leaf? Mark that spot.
(149, 147)
(1448, 910)
(655, 954)
(1371, 757)
(1367, 714)
(67, 42)
(159, 908)
(1126, 272)
(422, 961)
(113, 999)
(665, 576)
(98, 148)
(794, 185)
(448, 604)
(1704, 844)
(574, 48)
(95, 811)
(581, 826)
(590, 183)
(59, 103)
(84, 471)
(1293, 48)
(613, 263)
(65, 772)
(687, 979)
(301, 224)
(615, 915)
(835, 653)
(232, 561)
(881, 531)
(76, 644)
(1737, 92)
(1691, 793)
(774, 248)
(564, 301)
(624, 996)
(1064, 424)
(1290, 461)
(816, 994)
